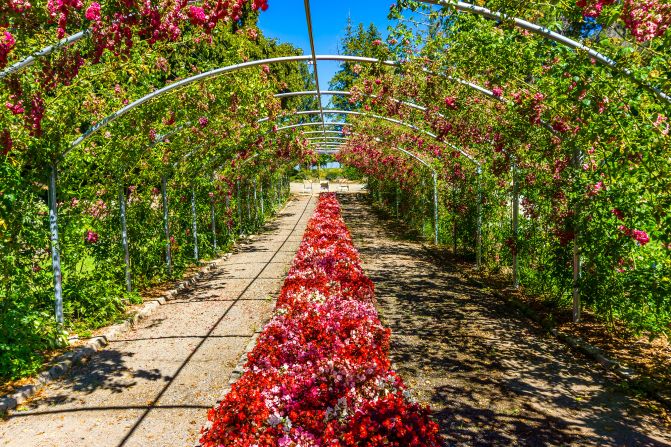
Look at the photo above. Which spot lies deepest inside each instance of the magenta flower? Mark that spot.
(7, 42)
(93, 12)
(618, 213)
(640, 236)
(90, 237)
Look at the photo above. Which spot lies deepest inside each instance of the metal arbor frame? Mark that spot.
(457, 5)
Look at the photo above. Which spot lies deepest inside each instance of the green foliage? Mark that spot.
(213, 145)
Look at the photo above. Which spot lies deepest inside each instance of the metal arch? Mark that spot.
(30, 60)
(419, 107)
(547, 33)
(232, 68)
(213, 74)
(471, 85)
(308, 21)
(346, 93)
(458, 5)
(322, 138)
(384, 118)
(311, 132)
(406, 103)
(317, 123)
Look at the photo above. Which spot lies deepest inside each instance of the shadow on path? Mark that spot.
(490, 377)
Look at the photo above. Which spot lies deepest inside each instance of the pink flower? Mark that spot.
(595, 189)
(203, 121)
(497, 91)
(377, 42)
(640, 236)
(618, 213)
(6, 142)
(7, 42)
(93, 12)
(90, 237)
(197, 15)
(16, 108)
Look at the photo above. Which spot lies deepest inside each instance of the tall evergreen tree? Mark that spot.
(357, 42)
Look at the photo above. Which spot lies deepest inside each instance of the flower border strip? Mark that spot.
(320, 374)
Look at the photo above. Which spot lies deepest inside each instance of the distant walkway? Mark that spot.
(489, 375)
(154, 385)
(314, 188)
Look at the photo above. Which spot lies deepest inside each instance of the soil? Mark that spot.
(491, 376)
(154, 384)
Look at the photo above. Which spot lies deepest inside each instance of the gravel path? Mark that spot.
(489, 375)
(154, 385)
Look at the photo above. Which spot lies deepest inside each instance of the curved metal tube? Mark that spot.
(544, 32)
(317, 123)
(320, 132)
(384, 118)
(213, 74)
(458, 5)
(30, 60)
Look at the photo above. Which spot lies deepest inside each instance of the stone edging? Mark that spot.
(65, 362)
(628, 375)
(624, 373)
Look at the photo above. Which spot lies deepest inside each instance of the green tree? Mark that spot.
(357, 42)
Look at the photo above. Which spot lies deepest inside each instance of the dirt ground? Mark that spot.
(490, 376)
(154, 384)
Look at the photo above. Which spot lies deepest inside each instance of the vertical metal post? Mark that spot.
(239, 207)
(166, 224)
(124, 237)
(194, 222)
(55, 249)
(516, 210)
(577, 163)
(398, 200)
(214, 225)
(249, 209)
(227, 206)
(435, 208)
(576, 278)
(256, 202)
(263, 211)
(454, 234)
(478, 233)
(454, 221)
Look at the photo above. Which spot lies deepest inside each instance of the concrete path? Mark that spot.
(154, 385)
(315, 188)
(491, 377)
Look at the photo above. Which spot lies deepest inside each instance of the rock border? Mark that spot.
(628, 375)
(64, 363)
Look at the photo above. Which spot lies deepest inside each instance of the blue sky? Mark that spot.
(285, 21)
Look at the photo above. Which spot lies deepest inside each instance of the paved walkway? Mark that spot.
(490, 376)
(154, 385)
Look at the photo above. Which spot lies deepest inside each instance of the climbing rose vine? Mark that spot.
(319, 374)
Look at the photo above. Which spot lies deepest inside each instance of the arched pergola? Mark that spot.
(323, 123)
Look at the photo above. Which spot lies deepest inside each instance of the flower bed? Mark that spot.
(319, 374)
